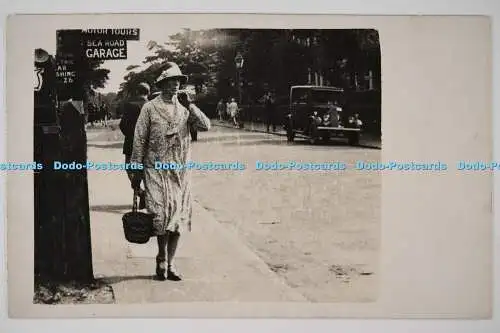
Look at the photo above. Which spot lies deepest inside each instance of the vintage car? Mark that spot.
(318, 112)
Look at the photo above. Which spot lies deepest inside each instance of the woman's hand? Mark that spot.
(137, 177)
(184, 99)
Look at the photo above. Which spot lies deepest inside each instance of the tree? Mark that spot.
(92, 76)
(131, 67)
(273, 59)
(109, 98)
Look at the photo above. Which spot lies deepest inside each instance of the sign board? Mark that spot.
(111, 34)
(105, 49)
(107, 44)
(77, 48)
(69, 64)
(65, 70)
(93, 44)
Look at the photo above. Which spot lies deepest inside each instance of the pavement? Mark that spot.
(366, 140)
(215, 263)
(263, 236)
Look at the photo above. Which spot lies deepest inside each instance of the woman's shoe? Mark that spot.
(172, 275)
(160, 269)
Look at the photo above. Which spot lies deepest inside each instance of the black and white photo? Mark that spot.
(292, 109)
(232, 165)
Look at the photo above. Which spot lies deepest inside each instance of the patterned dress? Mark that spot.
(162, 135)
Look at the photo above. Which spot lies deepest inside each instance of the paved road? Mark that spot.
(319, 231)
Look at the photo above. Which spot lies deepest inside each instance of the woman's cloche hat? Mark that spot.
(172, 71)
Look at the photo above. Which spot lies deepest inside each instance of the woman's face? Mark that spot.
(170, 86)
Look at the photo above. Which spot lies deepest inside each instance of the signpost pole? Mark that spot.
(74, 236)
(63, 237)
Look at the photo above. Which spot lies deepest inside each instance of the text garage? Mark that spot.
(107, 49)
(119, 53)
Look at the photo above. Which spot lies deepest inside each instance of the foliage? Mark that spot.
(92, 77)
(273, 59)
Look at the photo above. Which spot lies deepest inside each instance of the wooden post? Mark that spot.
(63, 242)
(76, 235)
(47, 190)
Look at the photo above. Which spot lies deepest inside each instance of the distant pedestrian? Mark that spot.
(105, 112)
(233, 111)
(228, 111)
(221, 109)
(270, 111)
(130, 114)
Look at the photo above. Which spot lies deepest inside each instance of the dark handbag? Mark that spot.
(137, 226)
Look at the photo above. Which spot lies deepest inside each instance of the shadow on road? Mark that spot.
(256, 143)
(301, 143)
(118, 279)
(113, 145)
(231, 137)
(332, 143)
(233, 140)
(116, 209)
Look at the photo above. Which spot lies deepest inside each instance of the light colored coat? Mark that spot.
(162, 135)
(233, 109)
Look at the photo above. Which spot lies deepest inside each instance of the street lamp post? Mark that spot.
(238, 60)
(239, 65)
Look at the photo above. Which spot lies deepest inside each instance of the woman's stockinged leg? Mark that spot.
(162, 244)
(172, 243)
(160, 258)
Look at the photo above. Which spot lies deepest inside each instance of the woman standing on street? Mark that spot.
(162, 135)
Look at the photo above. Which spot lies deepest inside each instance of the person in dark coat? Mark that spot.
(270, 111)
(130, 114)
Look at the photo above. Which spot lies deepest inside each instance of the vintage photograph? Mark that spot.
(188, 165)
(231, 166)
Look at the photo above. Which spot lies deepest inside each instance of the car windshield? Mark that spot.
(320, 96)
